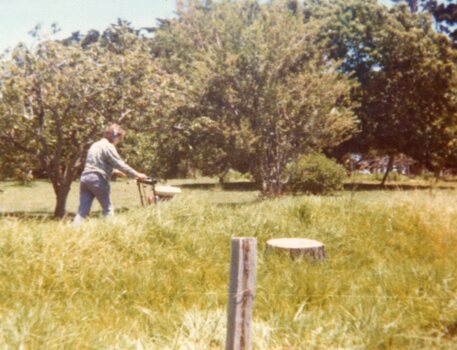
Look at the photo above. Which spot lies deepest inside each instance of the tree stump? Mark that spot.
(297, 247)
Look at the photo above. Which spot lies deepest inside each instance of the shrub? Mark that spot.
(315, 173)
(233, 175)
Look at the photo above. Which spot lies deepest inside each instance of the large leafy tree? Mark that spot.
(414, 91)
(261, 90)
(57, 98)
(406, 73)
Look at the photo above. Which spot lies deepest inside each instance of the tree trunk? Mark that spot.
(221, 176)
(389, 168)
(272, 161)
(438, 172)
(270, 173)
(272, 187)
(61, 200)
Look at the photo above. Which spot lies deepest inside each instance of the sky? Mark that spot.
(19, 17)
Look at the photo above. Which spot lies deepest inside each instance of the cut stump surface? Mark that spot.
(298, 247)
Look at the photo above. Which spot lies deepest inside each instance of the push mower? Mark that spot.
(156, 193)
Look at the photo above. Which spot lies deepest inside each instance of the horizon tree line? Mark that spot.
(237, 85)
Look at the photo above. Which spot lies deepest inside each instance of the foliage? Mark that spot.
(241, 85)
(261, 89)
(430, 134)
(315, 173)
(446, 16)
(407, 74)
(18, 166)
(415, 91)
(444, 13)
(157, 278)
(234, 176)
(57, 98)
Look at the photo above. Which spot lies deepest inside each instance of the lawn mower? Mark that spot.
(156, 193)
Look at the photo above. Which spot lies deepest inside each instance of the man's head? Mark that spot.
(114, 133)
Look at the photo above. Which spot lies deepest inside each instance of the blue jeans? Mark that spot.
(93, 185)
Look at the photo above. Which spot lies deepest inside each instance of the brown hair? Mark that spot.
(113, 131)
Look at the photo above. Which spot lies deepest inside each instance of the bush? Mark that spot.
(233, 175)
(315, 173)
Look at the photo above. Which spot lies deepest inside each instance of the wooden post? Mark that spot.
(241, 293)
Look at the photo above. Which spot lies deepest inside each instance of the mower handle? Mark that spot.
(147, 181)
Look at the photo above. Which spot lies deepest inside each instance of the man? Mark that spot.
(102, 160)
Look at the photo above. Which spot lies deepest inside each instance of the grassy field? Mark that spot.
(156, 278)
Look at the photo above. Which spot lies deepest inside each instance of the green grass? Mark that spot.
(156, 278)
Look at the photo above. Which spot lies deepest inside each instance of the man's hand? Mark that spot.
(141, 176)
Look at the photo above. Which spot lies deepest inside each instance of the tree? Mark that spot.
(406, 73)
(414, 91)
(444, 14)
(57, 98)
(260, 87)
(413, 4)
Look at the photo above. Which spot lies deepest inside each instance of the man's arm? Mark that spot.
(117, 163)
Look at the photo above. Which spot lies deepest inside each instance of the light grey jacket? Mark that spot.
(102, 158)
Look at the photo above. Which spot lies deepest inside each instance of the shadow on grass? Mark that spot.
(240, 204)
(229, 186)
(29, 215)
(357, 186)
(392, 187)
(14, 183)
(44, 216)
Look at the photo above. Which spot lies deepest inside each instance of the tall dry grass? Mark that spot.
(156, 278)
